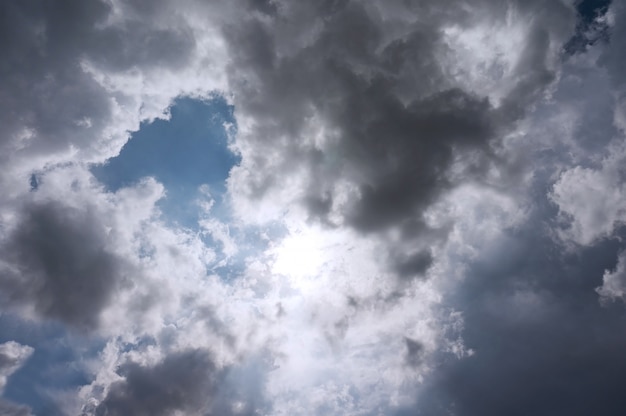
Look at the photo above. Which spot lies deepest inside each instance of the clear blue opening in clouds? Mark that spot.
(183, 153)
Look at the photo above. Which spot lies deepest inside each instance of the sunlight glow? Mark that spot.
(301, 256)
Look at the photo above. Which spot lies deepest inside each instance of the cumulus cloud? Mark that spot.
(409, 172)
(78, 77)
(531, 318)
(531, 314)
(188, 381)
(183, 382)
(65, 259)
(61, 264)
(360, 112)
(353, 99)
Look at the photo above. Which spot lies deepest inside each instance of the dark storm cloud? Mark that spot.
(399, 150)
(382, 85)
(57, 260)
(185, 382)
(188, 382)
(405, 151)
(543, 343)
(614, 282)
(46, 95)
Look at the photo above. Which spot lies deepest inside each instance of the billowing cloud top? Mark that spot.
(423, 211)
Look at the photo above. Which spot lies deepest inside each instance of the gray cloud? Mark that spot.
(543, 343)
(399, 151)
(187, 381)
(379, 82)
(50, 104)
(57, 260)
(396, 134)
(41, 45)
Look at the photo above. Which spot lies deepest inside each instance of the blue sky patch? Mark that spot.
(183, 153)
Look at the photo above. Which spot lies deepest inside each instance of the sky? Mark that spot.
(336, 207)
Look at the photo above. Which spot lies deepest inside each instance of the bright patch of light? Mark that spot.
(301, 256)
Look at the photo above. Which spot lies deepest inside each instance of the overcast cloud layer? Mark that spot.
(426, 215)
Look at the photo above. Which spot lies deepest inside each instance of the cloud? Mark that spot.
(61, 264)
(590, 194)
(361, 112)
(543, 341)
(614, 282)
(12, 356)
(352, 72)
(74, 74)
(187, 381)
(68, 249)
(409, 171)
(591, 200)
(184, 382)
